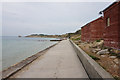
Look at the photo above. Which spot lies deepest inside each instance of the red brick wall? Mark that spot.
(85, 33)
(97, 29)
(112, 32)
(93, 30)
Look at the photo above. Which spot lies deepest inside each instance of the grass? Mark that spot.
(77, 38)
(94, 57)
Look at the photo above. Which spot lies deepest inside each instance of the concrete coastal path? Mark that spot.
(60, 61)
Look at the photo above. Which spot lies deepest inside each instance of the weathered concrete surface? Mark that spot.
(15, 68)
(93, 69)
(60, 61)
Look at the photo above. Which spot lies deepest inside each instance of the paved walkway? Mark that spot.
(59, 61)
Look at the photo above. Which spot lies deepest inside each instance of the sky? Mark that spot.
(24, 18)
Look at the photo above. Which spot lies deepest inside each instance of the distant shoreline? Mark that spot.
(40, 37)
(45, 36)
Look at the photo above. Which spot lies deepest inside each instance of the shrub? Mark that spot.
(98, 40)
(116, 78)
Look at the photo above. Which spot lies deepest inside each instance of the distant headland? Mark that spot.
(78, 32)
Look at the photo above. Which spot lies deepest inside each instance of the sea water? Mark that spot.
(16, 49)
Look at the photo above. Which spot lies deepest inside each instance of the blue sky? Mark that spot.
(24, 18)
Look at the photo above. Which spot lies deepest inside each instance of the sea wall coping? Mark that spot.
(93, 69)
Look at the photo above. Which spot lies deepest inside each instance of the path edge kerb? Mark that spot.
(93, 69)
(17, 67)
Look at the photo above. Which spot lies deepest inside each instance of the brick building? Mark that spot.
(112, 25)
(96, 29)
(107, 27)
(93, 30)
(85, 33)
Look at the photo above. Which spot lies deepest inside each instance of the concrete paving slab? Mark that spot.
(60, 61)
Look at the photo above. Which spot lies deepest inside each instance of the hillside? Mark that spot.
(75, 34)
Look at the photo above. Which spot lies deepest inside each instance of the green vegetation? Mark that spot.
(67, 35)
(98, 40)
(104, 47)
(94, 57)
(78, 32)
(117, 78)
(118, 55)
(77, 38)
(113, 54)
(44, 35)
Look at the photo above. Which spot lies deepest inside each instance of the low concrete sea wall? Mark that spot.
(15, 68)
(93, 69)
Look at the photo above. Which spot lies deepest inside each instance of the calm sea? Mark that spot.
(15, 49)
